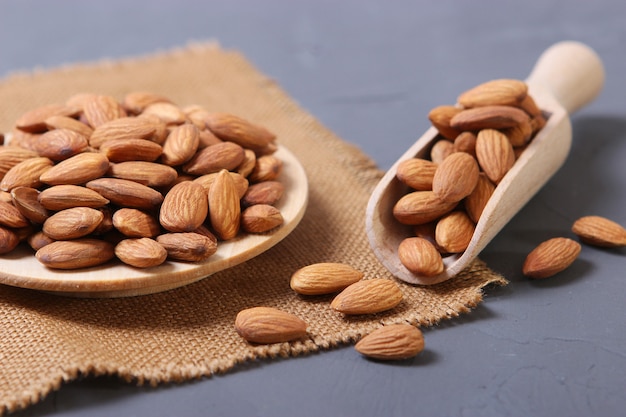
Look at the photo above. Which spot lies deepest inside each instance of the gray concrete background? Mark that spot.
(370, 71)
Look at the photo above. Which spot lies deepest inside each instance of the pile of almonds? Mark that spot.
(479, 140)
(353, 296)
(140, 179)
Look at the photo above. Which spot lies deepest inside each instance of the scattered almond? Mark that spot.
(392, 342)
(367, 297)
(600, 231)
(269, 325)
(551, 257)
(324, 278)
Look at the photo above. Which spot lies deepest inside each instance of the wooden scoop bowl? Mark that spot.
(567, 76)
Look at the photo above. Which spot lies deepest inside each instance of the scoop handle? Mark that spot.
(571, 71)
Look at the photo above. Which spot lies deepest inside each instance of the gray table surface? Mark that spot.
(370, 71)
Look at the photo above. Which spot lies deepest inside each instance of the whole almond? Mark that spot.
(100, 109)
(454, 232)
(75, 254)
(248, 163)
(38, 240)
(188, 247)
(456, 177)
(35, 120)
(519, 135)
(135, 223)
(72, 223)
(168, 113)
(441, 150)
(225, 155)
(181, 145)
(465, 142)
(600, 231)
(185, 207)
(260, 218)
(266, 192)
(127, 193)
(392, 342)
(224, 206)
(324, 278)
(488, 117)
(11, 156)
(420, 207)
(60, 144)
(269, 325)
(131, 150)
(140, 252)
(420, 256)
(504, 92)
(494, 153)
(417, 173)
(26, 200)
(238, 130)
(125, 128)
(136, 101)
(77, 169)
(241, 183)
(147, 173)
(11, 217)
(267, 168)
(68, 123)
(26, 173)
(8, 240)
(475, 202)
(61, 197)
(440, 117)
(368, 297)
(551, 257)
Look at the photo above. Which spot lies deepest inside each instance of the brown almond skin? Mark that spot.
(269, 325)
(77, 169)
(417, 173)
(440, 117)
(38, 240)
(26, 173)
(100, 109)
(248, 163)
(454, 232)
(125, 128)
(75, 254)
(240, 182)
(69, 123)
(266, 192)
(260, 218)
(441, 150)
(224, 207)
(136, 101)
(131, 150)
(456, 177)
(127, 193)
(167, 112)
(494, 153)
(135, 223)
(181, 145)
(151, 174)
(188, 247)
(11, 156)
(235, 129)
(72, 223)
(226, 155)
(34, 120)
(368, 297)
(60, 144)
(8, 240)
(185, 207)
(488, 117)
(26, 200)
(420, 207)
(475, 202)
(420, 256)
(600, 231)
(267, 168)
(324, 278)
(392, 342)
(465, 142)
(10, 216)
(61, 197)
(551, 257)
(140, 252)
(503, 92)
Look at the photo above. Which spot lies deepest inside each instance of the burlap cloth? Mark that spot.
(46, 340)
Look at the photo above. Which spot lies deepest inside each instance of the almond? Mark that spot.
(68, 123)
(140, 252)
(420, 256)
(417, 173)
(131, 150)
(248, 163)
(23, 139)
(75, 254)
(186, 206)
(440, 118)
(11, 217)
(241, 183)
(188, 247)
(324, 278)
(266, 192)
(8, 240)
(441, 150)
(551, 257)
(181, 145)
(26, 200)
(260, 218)
(456, 177)
(60, 144)
(494, 153)
(488, 117)
(420, 207)
(269, 325)
(454, 232)
(26, 174)
(100, 109)
(392, 342)
(600, 231)
(135, 223)
(127, 193)
(136, 101)
(168, 113)
(77, 169)
(34, 121)
(72, 223)
(38, 240)
(519, 135)
(125, 128)
(267, 168)
(225, 155)
(475, 202)
(61, 197)
(224, 207)
(11, 156)
(367, 297)
(503, 92)
(465, 142)
(238, 130)
(151, 174)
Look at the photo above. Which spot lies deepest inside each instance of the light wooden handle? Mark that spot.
(571, 71)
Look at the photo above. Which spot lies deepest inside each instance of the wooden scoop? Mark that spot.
(567, 76)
